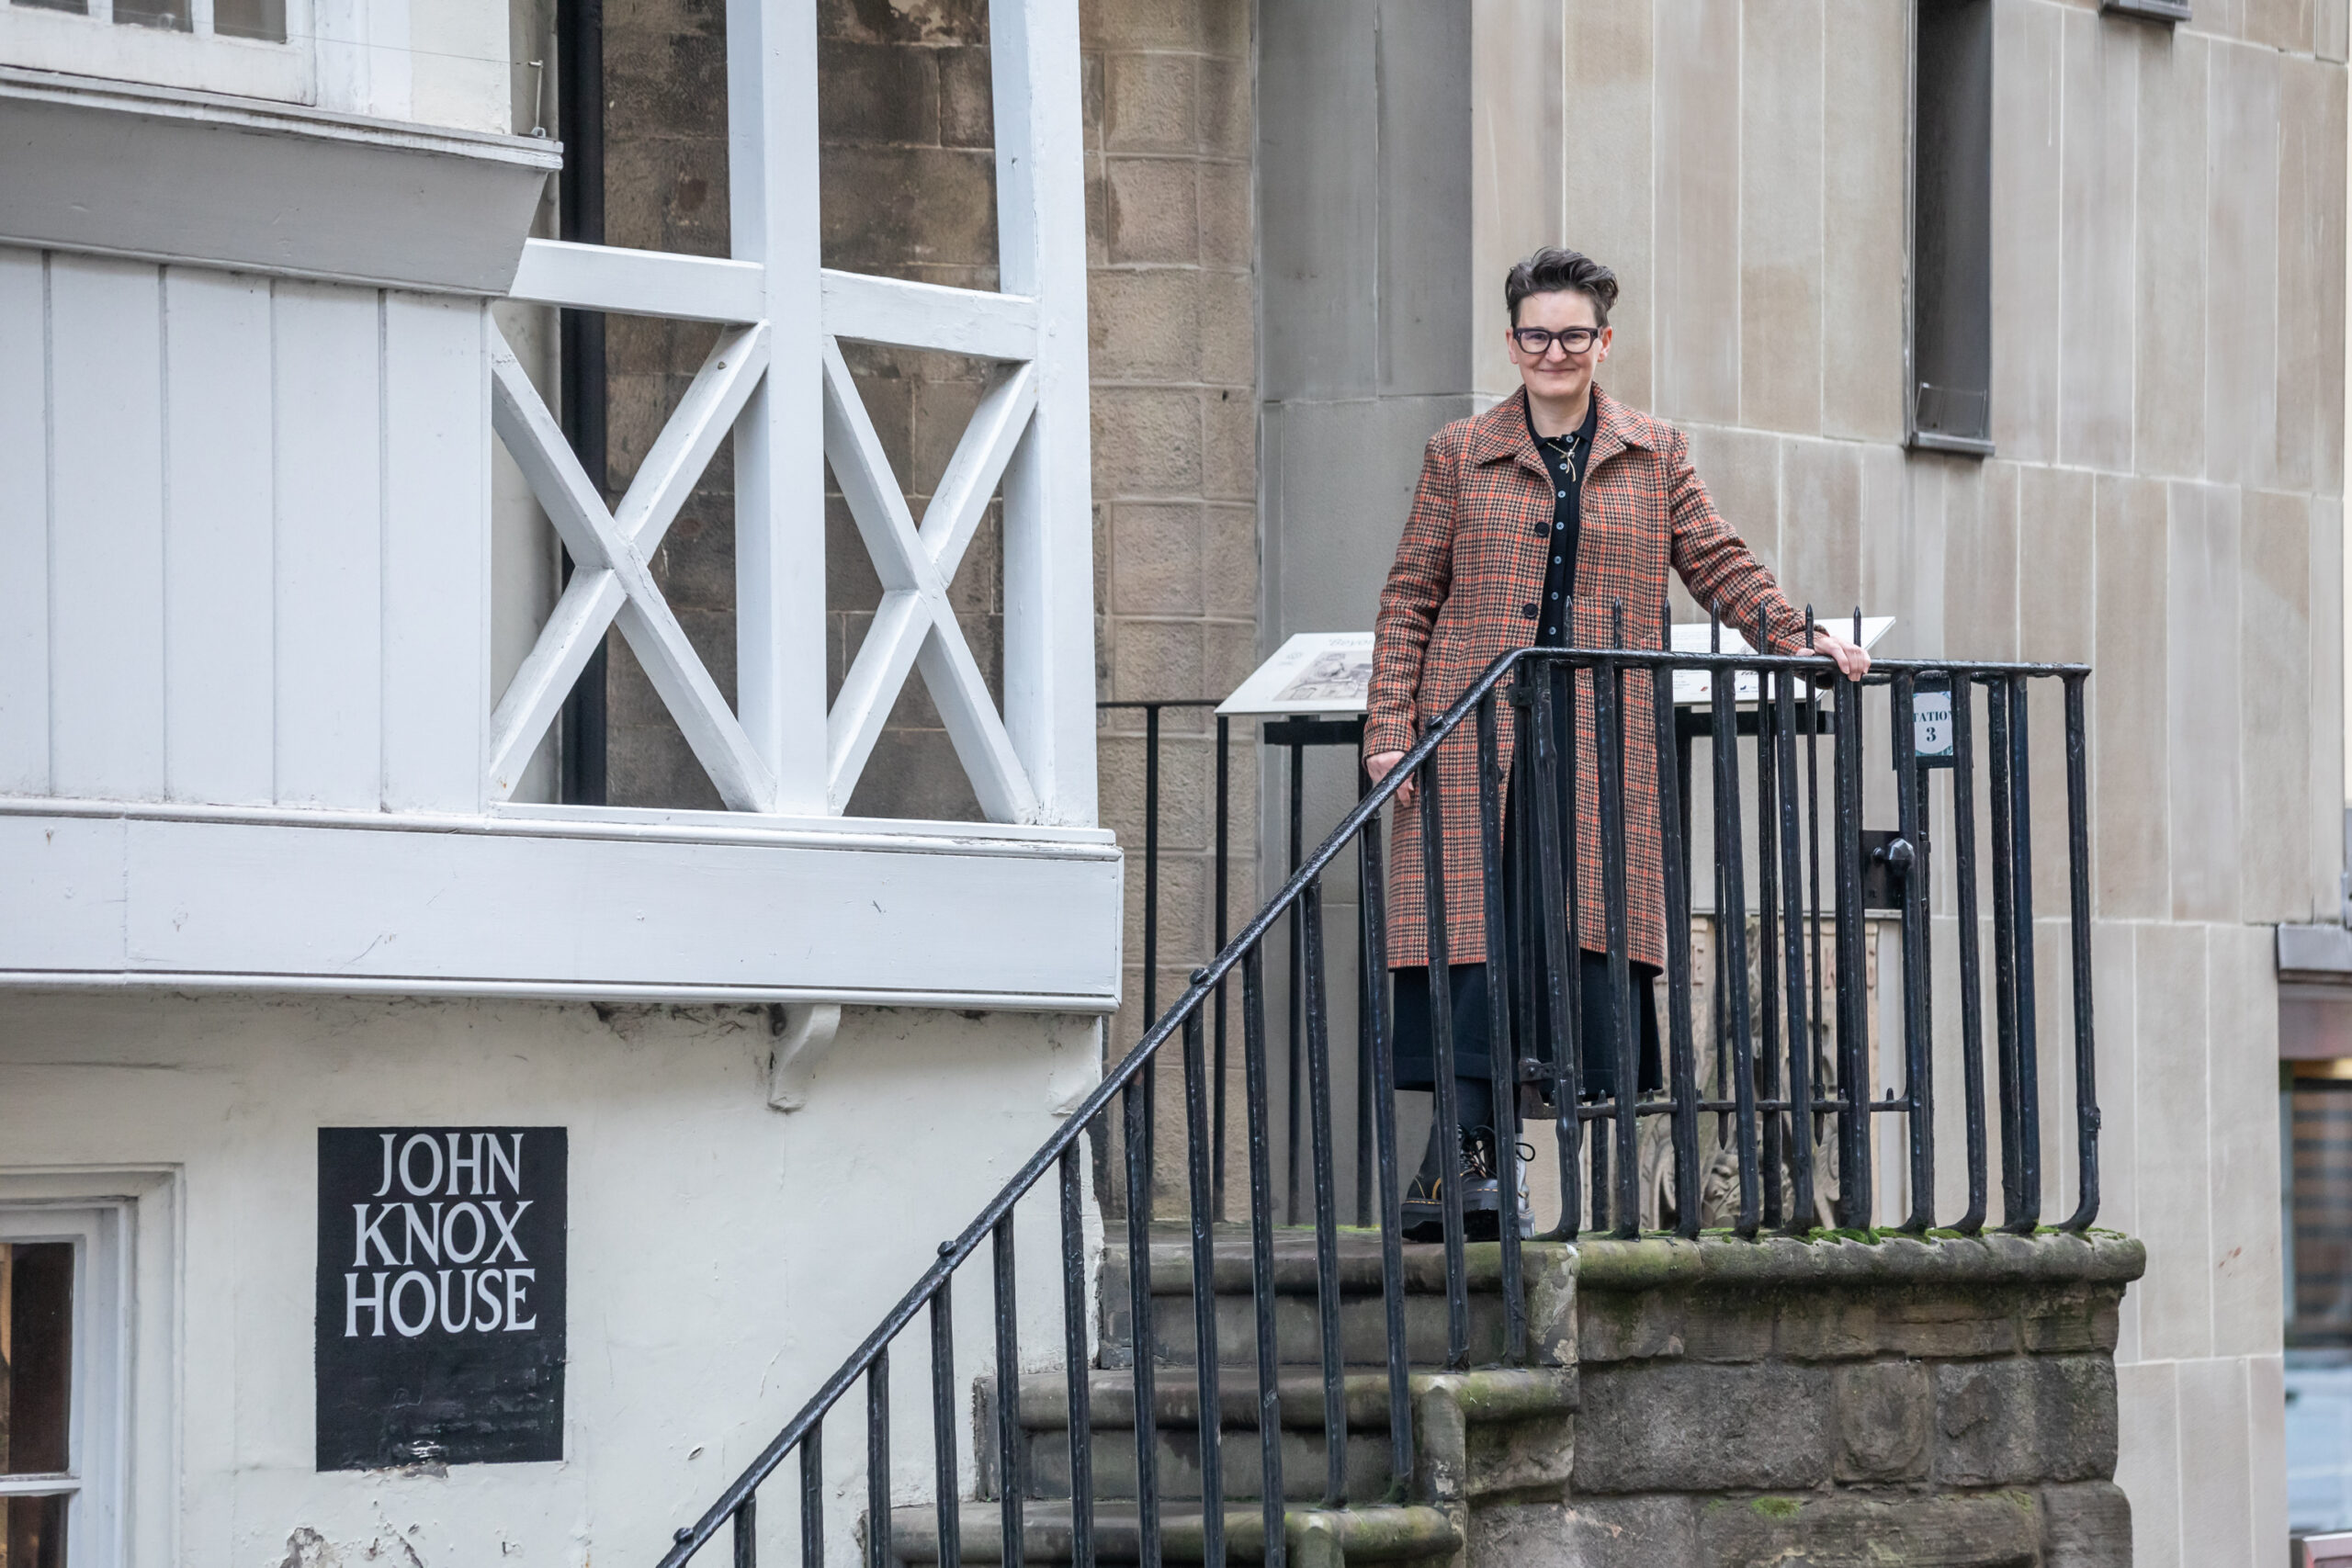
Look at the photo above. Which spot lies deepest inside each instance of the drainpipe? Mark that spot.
(580, 122)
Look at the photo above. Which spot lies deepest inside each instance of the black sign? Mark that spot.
(441, 1295)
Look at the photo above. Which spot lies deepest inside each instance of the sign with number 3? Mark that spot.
(1931, 727)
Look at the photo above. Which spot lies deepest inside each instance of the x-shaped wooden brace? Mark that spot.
(915, 624)
(611, 580)
(612, 583)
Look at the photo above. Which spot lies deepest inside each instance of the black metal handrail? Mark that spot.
(1768, 1126)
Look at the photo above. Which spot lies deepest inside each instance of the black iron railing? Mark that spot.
(1789, 1100)
(1221, 870)
(1296, 735)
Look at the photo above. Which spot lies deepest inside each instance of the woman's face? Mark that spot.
(1555, 373)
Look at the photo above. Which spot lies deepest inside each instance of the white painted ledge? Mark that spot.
(558, 902)
(172, 175)
(2315, 954)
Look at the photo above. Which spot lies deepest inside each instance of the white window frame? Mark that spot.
(122, 1226)
(97, 45)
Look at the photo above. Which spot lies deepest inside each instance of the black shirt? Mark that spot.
(1567, 457)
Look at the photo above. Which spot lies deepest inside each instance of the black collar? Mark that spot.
(1565, 449)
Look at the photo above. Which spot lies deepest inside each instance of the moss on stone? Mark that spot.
(1868, 1258)
(1777, 1507)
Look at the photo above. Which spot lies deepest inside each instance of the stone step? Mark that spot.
(1489, 1400)
(1044, 1424)
(1318, 1537)
(1364, 1331)
(1178, 1474)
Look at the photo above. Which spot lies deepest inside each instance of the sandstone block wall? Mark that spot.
(1170, 128)
(1950, 1402)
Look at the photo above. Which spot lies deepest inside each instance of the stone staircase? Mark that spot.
(1838, 1401)
(1489, 1430)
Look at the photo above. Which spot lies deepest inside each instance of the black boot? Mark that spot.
(1482, 1188)
(1424, 1204)
(1424, 1201)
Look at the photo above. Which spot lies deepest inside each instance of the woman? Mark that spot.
(1532, 524)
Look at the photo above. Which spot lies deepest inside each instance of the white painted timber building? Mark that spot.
(274, 668)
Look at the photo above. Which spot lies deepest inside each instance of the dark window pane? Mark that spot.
(79, 8)
(36, 1358)
(1951, 241)
(32, 1532)
(250, 18)
(2319, 1190)
(172, 16)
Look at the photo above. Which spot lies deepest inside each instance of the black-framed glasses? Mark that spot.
(1536, 342)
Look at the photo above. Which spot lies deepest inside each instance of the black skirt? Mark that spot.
(1417, 1052)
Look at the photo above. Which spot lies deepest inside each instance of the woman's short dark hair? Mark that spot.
(1553, 270)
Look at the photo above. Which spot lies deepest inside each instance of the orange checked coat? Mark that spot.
(1463, 591)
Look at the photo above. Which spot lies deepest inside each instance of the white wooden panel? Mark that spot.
(545, 910)
(961, 498)
(925, 315)
(329, 546)
(107, 529)
(574, 631)
(577, 511)
(907, 566)
(24, 524)
(779, 443)
(1049, 530)
(436, 536)
(640, 283)
(598, 593)
(60, 891)
(218, 609)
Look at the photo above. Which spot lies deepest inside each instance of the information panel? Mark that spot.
(440, 1327)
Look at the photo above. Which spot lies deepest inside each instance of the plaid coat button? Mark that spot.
(1528, 611)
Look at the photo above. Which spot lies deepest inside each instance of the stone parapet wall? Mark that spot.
(1949, 1401)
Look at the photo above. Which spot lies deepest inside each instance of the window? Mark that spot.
(248, 47)
(2315, 1146)
(1951, 228)
(62, 1326)
(227, 19)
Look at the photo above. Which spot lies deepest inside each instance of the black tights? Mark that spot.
(1474, 1101)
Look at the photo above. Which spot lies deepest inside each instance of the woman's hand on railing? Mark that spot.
(1378, 764)
(1853, 661)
